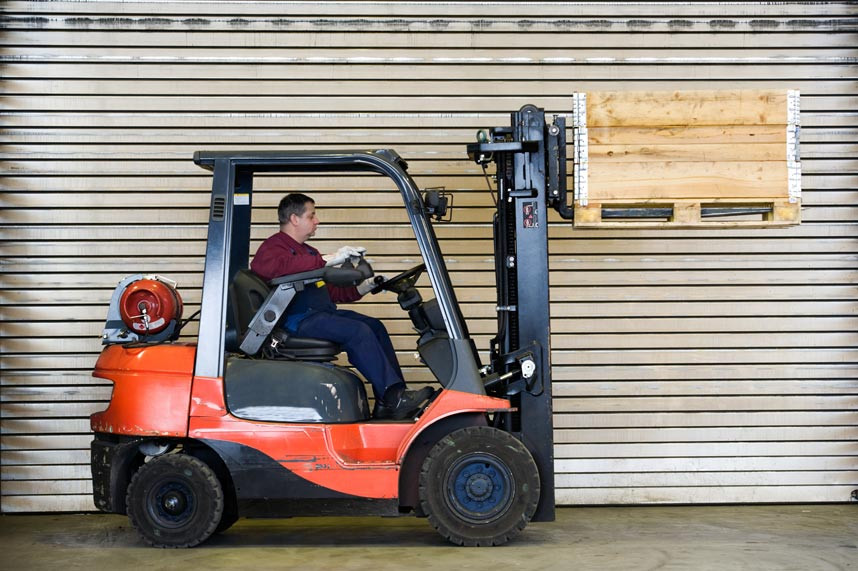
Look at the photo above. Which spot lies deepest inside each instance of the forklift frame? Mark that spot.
(513, 392)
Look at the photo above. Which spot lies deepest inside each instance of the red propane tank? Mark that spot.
(148, 306)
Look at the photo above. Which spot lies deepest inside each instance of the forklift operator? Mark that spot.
(313, 312)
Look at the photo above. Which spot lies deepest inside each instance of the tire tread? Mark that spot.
(179, 462)
(436, 454)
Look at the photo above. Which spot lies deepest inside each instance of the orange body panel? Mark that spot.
(156, 394)
(361, 459)
(208, 398)
(151, 389)
(308, 451)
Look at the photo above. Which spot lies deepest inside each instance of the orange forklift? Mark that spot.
(249, 421)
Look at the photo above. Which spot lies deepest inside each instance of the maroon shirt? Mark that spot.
(281, 255)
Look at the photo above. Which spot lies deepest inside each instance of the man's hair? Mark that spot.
(294, 203)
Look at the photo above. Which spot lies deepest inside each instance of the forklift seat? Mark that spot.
(247, 293)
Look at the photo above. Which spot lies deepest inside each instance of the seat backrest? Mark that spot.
(247, 293)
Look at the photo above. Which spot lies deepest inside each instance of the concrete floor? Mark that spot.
(755, 538)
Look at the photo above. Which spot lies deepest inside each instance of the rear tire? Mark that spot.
(175, 500)
(479, 486)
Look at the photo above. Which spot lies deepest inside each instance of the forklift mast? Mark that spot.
(530, 161)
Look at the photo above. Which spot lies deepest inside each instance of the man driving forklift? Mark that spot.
(313, 312)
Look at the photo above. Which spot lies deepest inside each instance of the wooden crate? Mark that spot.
(686, 152)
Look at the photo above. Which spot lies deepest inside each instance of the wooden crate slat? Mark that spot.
(612, 155)
(661, 108)
(688, 214)
(686, 135)
(702, 180)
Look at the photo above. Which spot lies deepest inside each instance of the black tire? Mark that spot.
(228, 519)
(175, 500)
(479, 486)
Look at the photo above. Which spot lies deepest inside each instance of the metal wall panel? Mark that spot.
(690, 366)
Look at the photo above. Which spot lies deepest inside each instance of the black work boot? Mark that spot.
(400, 403)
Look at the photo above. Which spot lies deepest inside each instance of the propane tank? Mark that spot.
(147, 306)
(144, 308)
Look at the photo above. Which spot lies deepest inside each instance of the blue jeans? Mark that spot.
(366, 341)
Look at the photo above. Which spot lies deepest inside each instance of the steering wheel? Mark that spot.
(401, 282)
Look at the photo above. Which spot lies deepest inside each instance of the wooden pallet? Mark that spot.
(688, 214)
(685, 149)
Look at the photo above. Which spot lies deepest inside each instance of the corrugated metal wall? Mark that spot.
(690, 366)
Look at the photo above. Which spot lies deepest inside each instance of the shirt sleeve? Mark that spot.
(343, 294)
(273, 260)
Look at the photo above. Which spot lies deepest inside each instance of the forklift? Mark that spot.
(250, 421)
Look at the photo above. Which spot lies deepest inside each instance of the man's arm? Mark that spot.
(343, 294)
(273, 260)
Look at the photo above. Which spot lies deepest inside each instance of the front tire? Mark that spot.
(175, 500)
(479, 486)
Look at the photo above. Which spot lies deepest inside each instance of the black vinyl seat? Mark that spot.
(247, 293)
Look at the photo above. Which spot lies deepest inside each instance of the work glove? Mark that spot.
(370, 284)
(343, 254)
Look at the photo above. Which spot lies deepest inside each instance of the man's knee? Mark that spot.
(364, 329)
(376, 326)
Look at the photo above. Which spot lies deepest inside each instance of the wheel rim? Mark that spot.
(479, 488)
(171, 503)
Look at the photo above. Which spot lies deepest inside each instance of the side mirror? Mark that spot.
(437, 202)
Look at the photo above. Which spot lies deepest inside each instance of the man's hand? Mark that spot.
(370, 284)
(343, 254)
